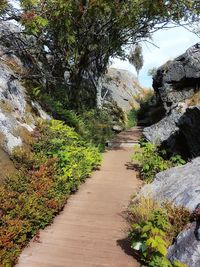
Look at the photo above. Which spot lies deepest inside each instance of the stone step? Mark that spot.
(127, 138)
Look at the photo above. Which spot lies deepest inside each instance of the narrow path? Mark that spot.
(91, 229)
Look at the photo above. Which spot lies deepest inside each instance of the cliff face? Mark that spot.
(177, 85)
(18, 113)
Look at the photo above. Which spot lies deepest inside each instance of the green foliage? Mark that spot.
(150, 160)
(152, 72)
(140, 102)
(151, 237)
(57, 163)
(144, 113)
(99, 127)
(3, 5)
(177, 160)
(94, 125)
(179, 264)
(81, 36)
(56, 106)
(136, 58)
(132, 118)
(76, 158)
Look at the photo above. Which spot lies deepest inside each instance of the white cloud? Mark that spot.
(172, 43)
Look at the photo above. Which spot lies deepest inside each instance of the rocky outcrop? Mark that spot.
(18, 113)
(186, 248)
(178, 80)
(177, 85)
(164, 129)
(120, 86)
(179, 184)
(16, 110)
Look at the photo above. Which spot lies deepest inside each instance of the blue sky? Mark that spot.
(172, 43)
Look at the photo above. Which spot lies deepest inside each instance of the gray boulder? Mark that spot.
(120, 86)
(179, 123)
(186, 248)
(179, 184)
(164, 129)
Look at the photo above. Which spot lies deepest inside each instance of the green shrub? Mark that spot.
(76, 158)
(152, 234)
(99, 127)
(132, 118)
(141, 209)
(149, 236)
(58, 161)
(94, 125)
(150, 160)
(59, 111)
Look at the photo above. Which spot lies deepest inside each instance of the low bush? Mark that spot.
(94, 125)
(154, 229)
(58, 161)
(151, 161)
(132, 118)
(141, 208)
(99, 127)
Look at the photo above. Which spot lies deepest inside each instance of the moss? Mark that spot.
(6, 165)
(6, 106)
(30, 116)
(166, 66)
(194, 100)
(14, 65)
(25, 135)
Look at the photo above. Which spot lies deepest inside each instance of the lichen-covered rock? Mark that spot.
(186, 248)
(16, 109)
(179, 184)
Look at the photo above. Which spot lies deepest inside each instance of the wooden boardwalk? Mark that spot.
(91, 230)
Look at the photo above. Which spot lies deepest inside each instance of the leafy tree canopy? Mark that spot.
(81, 35)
